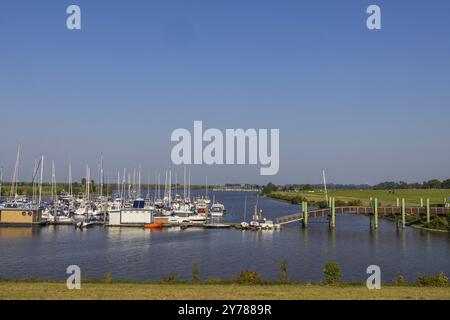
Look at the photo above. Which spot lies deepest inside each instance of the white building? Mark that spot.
(138, 215)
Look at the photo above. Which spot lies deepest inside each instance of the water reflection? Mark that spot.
(7, 233)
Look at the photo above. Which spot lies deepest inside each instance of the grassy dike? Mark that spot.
(32, 290)
(412, 196)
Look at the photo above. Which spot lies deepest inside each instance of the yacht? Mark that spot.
(217, 210)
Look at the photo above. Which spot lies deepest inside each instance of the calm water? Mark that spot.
(139, 254)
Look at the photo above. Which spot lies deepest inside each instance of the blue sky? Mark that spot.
(367, 106)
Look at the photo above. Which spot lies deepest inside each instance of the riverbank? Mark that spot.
(349, 196)
(30, 290)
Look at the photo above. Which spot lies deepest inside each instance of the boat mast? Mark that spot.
(101, 175)
(70, 179)
(245, 208)
(189, 184)
(118, 181)
(159, 186)
(170, 187)
(33, 181)
(139, 195)
(184, 183)
(88, 182)
(13, 191)
(1, 181)
(41, 179)
(325, 185)
(54, 192)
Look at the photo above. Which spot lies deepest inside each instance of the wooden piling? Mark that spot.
(403, 213)
(333, 213)
(375, 213)
(305, 214)
(428, 210)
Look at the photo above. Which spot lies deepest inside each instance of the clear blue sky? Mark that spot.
(367, 106)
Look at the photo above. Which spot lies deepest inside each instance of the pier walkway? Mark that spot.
(382, 211)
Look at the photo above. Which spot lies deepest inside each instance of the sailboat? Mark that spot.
(244, 224)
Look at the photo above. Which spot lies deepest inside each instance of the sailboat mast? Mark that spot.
(101, 174)
(245, 208)
(189, 184)
(1, 181)
(41, 179)
(325, 185)
(184, 182)
(13, 190)
(70, 179)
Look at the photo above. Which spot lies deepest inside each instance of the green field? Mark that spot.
(412, 196)
(59, 291)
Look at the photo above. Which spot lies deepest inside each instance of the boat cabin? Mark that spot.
(21, 217)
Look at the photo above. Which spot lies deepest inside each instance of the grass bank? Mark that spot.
(386, 197)
(31, 290)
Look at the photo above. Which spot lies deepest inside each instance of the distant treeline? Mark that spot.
(431, 184)
(26, 188)
(388, 185)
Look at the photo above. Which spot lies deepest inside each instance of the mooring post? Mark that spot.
(370, 202)
(398, 202)
(428, 210)
(403, 213)
(375, 213)
(305, 214)
(333, 213)
(421, 202)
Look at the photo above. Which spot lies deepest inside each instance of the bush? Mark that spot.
(437, 280)
(354, 203)
(195, 273)
(171, 277)
(108, 278)
(322, 204)
(399, 280)
(284, 278)
(214, 281)
(332, 273)
(340, 203)
(249, 277)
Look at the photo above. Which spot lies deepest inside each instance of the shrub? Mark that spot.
(399, 280)
(332, 273)
(108, 278)
(195, 273)
(171, 277)
(284, 278)
(354, 203)
(322, 204)
(249, 277)
(214, 281)
(437, 280)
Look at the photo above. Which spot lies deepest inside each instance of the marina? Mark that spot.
(136, 253)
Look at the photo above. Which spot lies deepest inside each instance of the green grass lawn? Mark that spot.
(412, 196)
(59, 291)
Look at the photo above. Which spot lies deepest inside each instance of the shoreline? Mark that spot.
(53, 290)
(421, 227)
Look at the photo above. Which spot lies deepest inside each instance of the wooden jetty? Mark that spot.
(374, 210)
